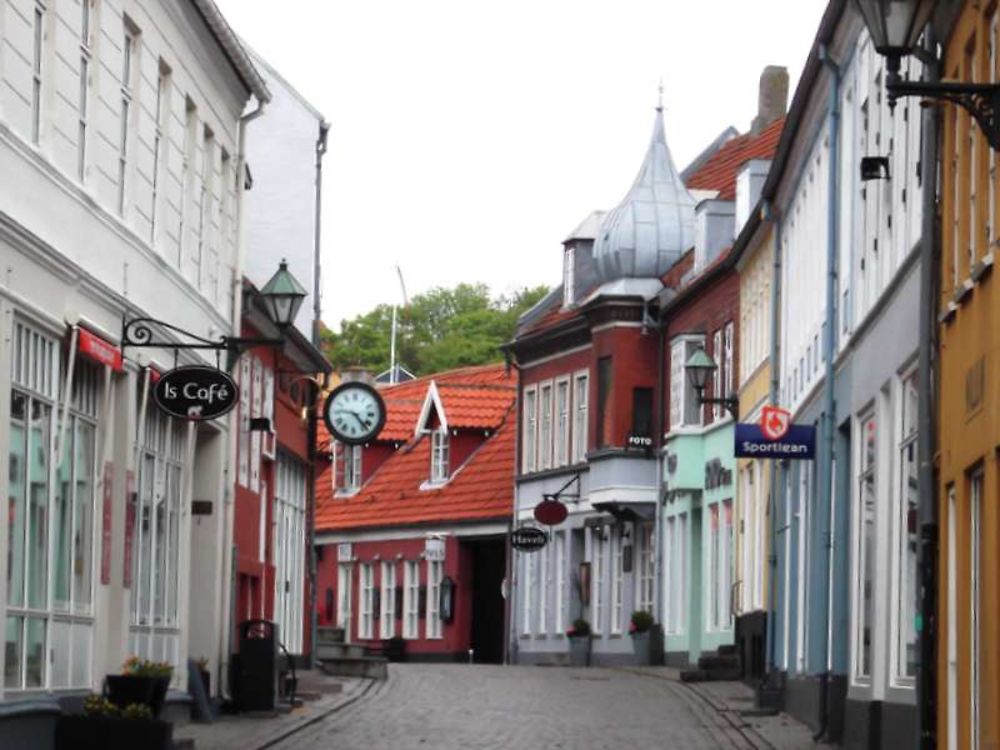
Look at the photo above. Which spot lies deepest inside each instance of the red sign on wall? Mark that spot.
(107, 495)
(130, 507)
(99, 350)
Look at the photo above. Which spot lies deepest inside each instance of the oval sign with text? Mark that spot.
(550, 512)
(528, 539)
(196, 393)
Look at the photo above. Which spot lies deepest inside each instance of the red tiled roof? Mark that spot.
(719, 171)
(482, 488)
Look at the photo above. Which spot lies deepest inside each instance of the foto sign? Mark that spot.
(775, 437)
(196, 393)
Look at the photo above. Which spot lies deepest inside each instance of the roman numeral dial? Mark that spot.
(354, 413)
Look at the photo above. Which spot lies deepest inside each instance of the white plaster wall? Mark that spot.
(281, 208)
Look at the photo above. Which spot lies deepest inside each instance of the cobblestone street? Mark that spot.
(459, 706)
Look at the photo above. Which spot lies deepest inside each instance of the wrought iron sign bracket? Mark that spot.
(561, 493)
(981, 100)
(139, 333)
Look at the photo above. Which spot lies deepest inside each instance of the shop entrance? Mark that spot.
(489, 566)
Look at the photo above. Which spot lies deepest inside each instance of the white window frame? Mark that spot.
(598, 564)
(561, 409)
(716, 373)
(411, 599)
(87, 18)
(683, 399)
(581, 414)
(617, 582)
(868, 472)
(527, 593)
(290, 501)
(559, 563)
(904, 564)
(439, 456)
(349, 477)
(529, 444)
(130, 49)
(543, 589)
(435, 574)
(387, 600)
(546, 399)
(366, 620)
(344, 578)
(728, 333)
(39, 30)
(645, 579)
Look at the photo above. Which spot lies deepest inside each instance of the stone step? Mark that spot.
(330, 634)
(332, 650)
(372, 667)
(719, 661)
(710, 675)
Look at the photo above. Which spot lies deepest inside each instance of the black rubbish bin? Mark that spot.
(257, 680)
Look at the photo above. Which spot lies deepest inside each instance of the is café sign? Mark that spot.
(196, 393)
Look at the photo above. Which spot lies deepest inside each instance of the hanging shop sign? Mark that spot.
(550, 512)
(196, 393)
(775, 437)
(528, 539)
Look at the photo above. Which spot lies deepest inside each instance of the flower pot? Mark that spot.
(640, 647)
(579, 651)
(123, 689)
(75, 732)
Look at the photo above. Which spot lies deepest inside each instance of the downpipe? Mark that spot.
(772, 499)
(829, 345)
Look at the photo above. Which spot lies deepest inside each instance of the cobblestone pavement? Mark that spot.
(461, 706)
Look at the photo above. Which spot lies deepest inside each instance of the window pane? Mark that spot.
(80, 668)
(63, 525)
(907, 647)
(35, 653)
(38, 498)
(867, 570)
(13, 652)
(61, 643)
(16, 502)
(83, 518)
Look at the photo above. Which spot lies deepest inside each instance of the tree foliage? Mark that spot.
(438, 330)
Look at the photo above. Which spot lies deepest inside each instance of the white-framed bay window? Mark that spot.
(290, 496)
(529, 425)
(411, 599)
(581, 404)
(155, 629)
(435, 574)
(53, 485)
(366, 613)
(562, 421)
(907, 537)
(387, 600)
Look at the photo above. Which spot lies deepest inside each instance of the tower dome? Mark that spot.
(653, 226)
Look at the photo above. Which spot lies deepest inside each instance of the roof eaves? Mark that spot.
(230, 44)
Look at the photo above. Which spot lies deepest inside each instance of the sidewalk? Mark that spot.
(728, 699)
(235, 732)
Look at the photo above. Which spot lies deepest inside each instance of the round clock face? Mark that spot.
(354, 413)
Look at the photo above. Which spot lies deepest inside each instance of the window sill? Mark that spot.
(343, 494)
(949, 313)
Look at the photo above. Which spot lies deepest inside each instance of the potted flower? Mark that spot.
(106, 726)
(639, 627)
(141, 681)
(579, 643)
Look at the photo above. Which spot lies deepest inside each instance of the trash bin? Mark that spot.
(257, 676)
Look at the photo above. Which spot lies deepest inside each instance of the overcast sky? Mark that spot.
(468, 137)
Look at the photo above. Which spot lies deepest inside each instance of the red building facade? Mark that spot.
(411, 528)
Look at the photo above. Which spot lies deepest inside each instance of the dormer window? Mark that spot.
(348, 468)
(439, 456)
(569, 275)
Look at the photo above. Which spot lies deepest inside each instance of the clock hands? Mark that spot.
(364, 425)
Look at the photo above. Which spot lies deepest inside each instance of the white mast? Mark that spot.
(393, 374)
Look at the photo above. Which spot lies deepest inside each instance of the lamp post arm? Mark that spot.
(981, 100)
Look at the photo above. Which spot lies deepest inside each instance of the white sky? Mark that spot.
(469, 137)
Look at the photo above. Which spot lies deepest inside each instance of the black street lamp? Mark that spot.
(895, 27)
(282, 296)
(700, 367)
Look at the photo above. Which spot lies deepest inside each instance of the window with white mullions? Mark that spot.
(545, 427)
(50, 573)
(344, 580)
(161, 124)
(366, 615)
(866, 541)
(435, 573)
(291, 489)
(387, 600)
(40, 19)
(439, 457)
(527, 593)
(645, 581)
(129, 48)
(562, 422)
(907, 535)
(348, 465)
(598, 566)
(975, 604)
(529, 424)
(86, 53)
(543, 589)
(581, 397)
(617, 581)
(411, 599)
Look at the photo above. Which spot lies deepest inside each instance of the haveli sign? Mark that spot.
(775, 437)
(528, 539)
(196, 393)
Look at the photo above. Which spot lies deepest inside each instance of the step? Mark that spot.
(710, 675)
(333, 650)
(330, 634)
(728, 650)
(372, 667)
(718, 661)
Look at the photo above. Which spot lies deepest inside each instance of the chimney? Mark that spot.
(772, 98)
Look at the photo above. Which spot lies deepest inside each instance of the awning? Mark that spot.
(635, 512)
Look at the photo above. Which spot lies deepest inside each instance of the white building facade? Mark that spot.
(120, 144)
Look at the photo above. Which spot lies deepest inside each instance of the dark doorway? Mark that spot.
(489, 566)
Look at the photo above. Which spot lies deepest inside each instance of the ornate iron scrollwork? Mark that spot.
(139, 332)
(981, 100)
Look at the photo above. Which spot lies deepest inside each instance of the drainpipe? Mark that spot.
(825, 468)
(658, 483)
(927, 507)
(772, 556)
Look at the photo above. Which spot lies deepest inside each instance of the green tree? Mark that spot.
(440, 329)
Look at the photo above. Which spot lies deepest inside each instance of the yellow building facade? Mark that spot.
(969, 404)
(753, 484)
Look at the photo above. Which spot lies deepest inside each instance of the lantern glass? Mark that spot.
(895, 25)
(283, 296)
(700, 368)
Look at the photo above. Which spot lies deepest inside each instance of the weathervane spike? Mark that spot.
(659, 101)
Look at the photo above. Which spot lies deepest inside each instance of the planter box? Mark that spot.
(76, 732)
(124, 689)
(579, 651)
(640, 647)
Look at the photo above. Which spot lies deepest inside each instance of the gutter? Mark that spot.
(324, 129)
